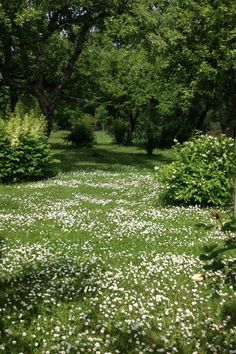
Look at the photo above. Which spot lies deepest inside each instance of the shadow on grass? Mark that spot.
(107, 159)
(30, 292)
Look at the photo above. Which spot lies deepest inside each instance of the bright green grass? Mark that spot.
(92, 263)
(105, 155)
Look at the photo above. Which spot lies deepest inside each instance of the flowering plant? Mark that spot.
(203, 171)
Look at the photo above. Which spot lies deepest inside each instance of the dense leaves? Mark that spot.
(24, 150)
(40, 43)
(217, 257)
(203, 172)
(118, 130)
(177, 55)
(82, 131)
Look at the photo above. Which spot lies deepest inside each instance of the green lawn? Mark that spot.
(91, 262)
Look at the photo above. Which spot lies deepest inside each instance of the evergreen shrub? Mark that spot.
(203, 172)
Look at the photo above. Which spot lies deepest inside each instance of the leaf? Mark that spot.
(204, 226)
(229, 226)
(209, 248)
(215, 266)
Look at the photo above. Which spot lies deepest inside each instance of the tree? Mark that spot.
(127, 81)
(195, 46)
(40, 43)
(114, 69)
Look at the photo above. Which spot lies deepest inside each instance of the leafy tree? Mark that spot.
(119, 77)
(194, 43)
(128, 82)
(40, 43)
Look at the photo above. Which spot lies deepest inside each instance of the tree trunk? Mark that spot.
(49, 116)
(13, 98)
(201, 118)
(223, 124)
(47, 106)
(226, 125)
(47, 110)
(133, 115)
(234, 115)
(235, 199)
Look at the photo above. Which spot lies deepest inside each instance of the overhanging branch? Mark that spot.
(16, 84)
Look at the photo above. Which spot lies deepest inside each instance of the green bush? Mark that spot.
(203, 172)
(118, 130)
(147, 136)
(24, 150)
(82, 131)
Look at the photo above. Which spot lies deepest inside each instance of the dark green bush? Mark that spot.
(118, 130)
(203, 172)
(147, 136)
(24, 150)
(82, 132)
(5, 157)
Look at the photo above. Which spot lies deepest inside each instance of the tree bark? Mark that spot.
(133, 116)
(234, 200)
(47, 110)
(13, 98)
(201, 118)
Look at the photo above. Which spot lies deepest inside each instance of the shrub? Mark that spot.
(147, 136)
(24, 150)
(82, 131)
(202, 173)
(118, 130)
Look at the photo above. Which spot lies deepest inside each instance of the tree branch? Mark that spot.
(16, 84)
(71, 63)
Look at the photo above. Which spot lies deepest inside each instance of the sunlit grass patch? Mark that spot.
(92, 263)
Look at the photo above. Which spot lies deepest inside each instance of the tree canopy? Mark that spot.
(177, 56)
(41, 41)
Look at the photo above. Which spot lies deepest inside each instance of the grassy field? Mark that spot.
(91, 262)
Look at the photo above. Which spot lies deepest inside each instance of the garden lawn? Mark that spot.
(92, 263)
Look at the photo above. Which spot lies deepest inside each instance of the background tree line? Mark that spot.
(149, 71)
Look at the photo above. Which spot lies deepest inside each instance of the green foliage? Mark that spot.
(147, 136)
(24, 150)
(20, 125)
(82, 131)
(174, 128)
(214, 255)
(196, 61)
(202, 173)
(229, 312)
(41, 41)
(102, 116)
(4, 101)
(118, 130)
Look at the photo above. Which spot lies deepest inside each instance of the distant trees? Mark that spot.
(195, 49)
(173, 62)
(177, 58)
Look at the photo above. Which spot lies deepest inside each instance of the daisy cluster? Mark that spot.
(90, 263)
